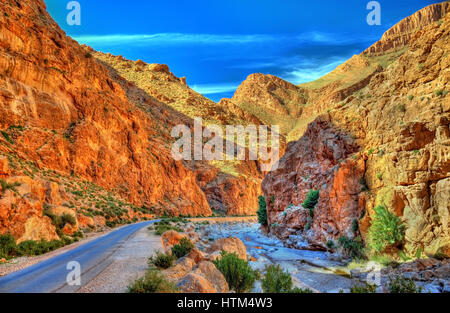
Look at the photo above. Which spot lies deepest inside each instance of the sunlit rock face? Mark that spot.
(385, 144)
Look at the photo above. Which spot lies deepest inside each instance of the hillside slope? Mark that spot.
(387, 143)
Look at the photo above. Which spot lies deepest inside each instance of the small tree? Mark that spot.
(386, 230)
(237, 272)
(262, 211)
(276, 280)
(312, 198)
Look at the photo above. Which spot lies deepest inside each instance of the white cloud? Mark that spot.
(170, 38)
(209, 89)
(210, 39)
(307, 71)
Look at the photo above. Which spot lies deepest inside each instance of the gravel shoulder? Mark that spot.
(129, 263)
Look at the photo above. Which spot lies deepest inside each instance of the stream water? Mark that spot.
(309, 269)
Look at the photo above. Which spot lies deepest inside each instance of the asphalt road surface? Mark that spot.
(53, 275)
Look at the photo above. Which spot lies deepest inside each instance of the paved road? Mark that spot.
(51, 275)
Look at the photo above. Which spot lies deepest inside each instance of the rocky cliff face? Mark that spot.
(387, 143)
(400, 35)
(63, 111)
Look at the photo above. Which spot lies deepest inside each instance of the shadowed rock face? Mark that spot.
(394, 133)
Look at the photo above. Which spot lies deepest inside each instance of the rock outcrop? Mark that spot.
(384, 144)
(401, 33)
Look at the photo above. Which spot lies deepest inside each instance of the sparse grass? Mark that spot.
(367, 288)
(161, 260)
(7, 137)
(182, 248)
(400, 284)
(153, 282)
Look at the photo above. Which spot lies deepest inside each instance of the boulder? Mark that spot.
(195, 283)
(230, 245)
(171, 238)
(209, 271)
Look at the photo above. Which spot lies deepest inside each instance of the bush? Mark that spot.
(367, 288)
(386, 230)
(262, 211)
(163, 227)
(311, 201)
(182, 248)
(276, 280)
(330, 244)
(299, 290)
(8, 246)
(237, 272)
(161, 260)
(400, 284)
(352, 248)
(152, 282)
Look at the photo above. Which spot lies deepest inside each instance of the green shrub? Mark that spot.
(276, 280)
(400, 284)
(312, 198)
(7, 137)
(352, 248)
(262, 211)
(161, 260)
(182, 248)
(8, 246)
(152, 282)
(68, 219)
(367, 288)
(161, 228)
(5, 185)
(355, 226)
(237, 272)
(300, 290)
(330, 244)
(385, 230)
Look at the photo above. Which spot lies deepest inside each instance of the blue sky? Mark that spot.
(216, 44)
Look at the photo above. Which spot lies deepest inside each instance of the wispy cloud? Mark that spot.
(310, 70)
(210, 89)
(171, 39)
(210, 39)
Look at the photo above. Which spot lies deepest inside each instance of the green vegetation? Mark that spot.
(300, 290)
(5, 185)
(9, 249)
(410, 97)
(164, 226)
(238, 273)
(363, 183)
(262, 211)
(152, 282)
(355, 226)
(352, 248)
(386, 230)
(380, 176)
(278, 281)
(367, 288)
(330, 244)
(161, 260)
(400, 284)
(312, 198)
(7, 137)
(182, 248)
(440, 92)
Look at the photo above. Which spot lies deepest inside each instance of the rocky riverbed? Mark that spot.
(321, 271)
